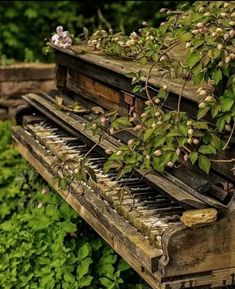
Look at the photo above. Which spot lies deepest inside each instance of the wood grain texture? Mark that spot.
(124, 66)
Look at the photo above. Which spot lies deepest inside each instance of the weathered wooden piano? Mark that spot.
(145, 227)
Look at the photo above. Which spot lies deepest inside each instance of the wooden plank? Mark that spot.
(122, 67)
(27, 71)
(200, 249)
(121, 230)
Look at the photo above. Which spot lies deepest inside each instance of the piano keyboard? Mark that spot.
(149, 211)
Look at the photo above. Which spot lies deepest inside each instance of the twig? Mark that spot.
(230, 137)
(93, 147)
(151, 68)
(146, 83)
(223, 161)
(180, 96)
(102, 19)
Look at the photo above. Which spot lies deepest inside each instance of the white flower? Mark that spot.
(59, 30)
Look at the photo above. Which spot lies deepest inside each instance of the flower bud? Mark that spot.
(226, 36)
(44, 191)
(202, 105)
(219, 30)
(220, 46)
(226, 5)
(195, 31)
(130, 142)
(196, 141)
(40, 205)
(227, 59)
(200, 25)
(159, 123)
(157, 113)
(170, 164)
(163, 58)
(103, 120)
(189, 123)
(188, 44)
(94, 126)
(202, 92)
(231, 33)
(157, 100)
(153, 125)
(147, 157)
(148, 102)
(144, 23)
(207, 14)
(213, 34)
(232, 23)
(232, 56)
(223, 14)
(163, 10)
(158, 153)
(138, 127)
(227, 127)
(111, 131)
(144, 114)
(118, 153)
(210, 98)
(185, 157)
(178, 151)
(76, 171)
(132, 42)
(190, 131)
(189, 140)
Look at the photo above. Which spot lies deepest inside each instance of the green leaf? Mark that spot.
(202, 112)
(226, 104)
(217, 76)
(107, 283)
(193, 157)
(124, 120)
(197, 42)
(220, 123)
(215, 141)
(193, 59)
(204, 164)
(148, 133)
(85, 281)
(207, 149)
(83, 267)
(84, 251)
(185, 36)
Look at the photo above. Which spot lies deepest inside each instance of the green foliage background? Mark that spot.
(24, 25)
(48, 247)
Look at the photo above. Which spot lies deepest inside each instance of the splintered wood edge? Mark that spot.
(141, 255)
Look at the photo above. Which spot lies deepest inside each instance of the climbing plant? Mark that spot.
(160, 138)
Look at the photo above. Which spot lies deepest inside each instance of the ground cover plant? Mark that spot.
(43, 242)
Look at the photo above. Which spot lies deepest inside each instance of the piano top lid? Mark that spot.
(123, 66)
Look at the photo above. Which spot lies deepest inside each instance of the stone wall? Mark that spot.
(18, 79)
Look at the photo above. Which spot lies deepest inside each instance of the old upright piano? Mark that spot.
(144, 227)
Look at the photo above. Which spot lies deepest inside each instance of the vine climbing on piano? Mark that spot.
(158, 139)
